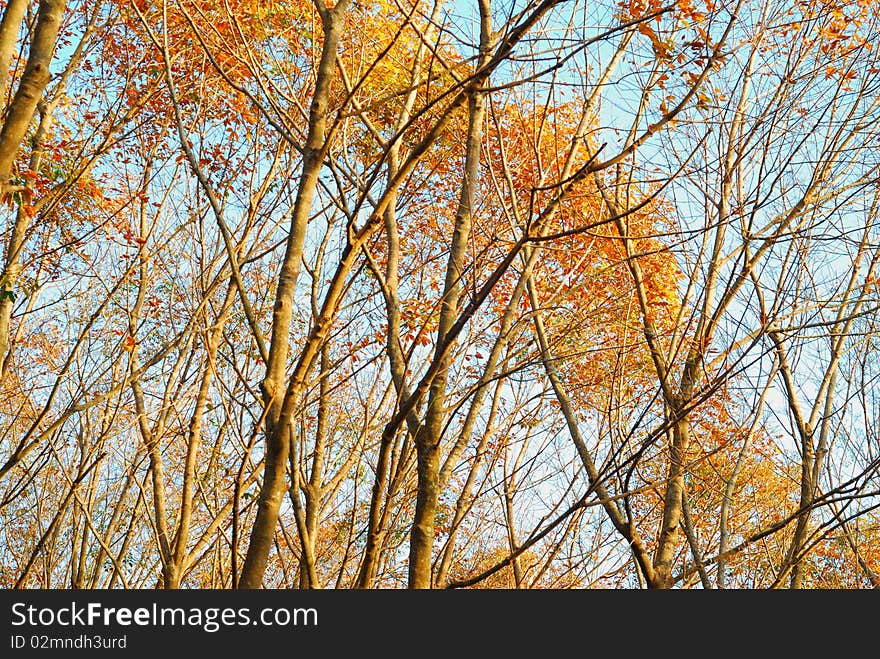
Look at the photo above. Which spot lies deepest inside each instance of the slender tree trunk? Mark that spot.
(307, 516)
(617, 517)
(30, 89)
(277, 434)
(429, 436)
(396, 359)
(9, 27)
(194, 440)
(18, 118)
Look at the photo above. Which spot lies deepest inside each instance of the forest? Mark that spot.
(388, 294)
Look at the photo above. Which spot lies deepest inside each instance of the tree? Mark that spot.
(535, 294)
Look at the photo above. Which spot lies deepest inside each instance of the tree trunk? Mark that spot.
(18, 118)
(278, 435)
(429, 437)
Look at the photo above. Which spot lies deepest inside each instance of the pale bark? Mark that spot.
(396, 358)
(277, 431)
(18, 119)
(31, 86)
(430, 435)
(9, 28)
